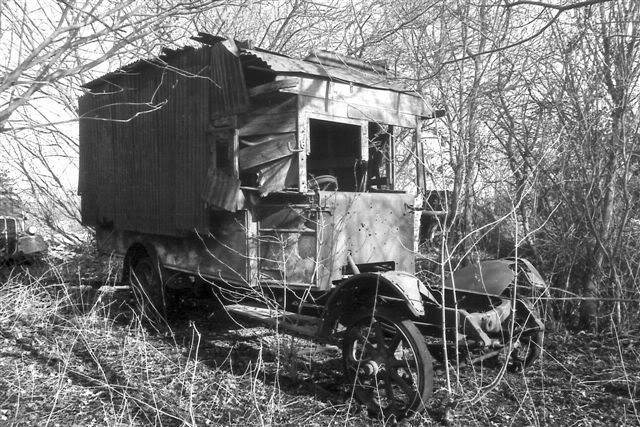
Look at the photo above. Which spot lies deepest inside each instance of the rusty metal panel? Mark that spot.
(220, 254)
(373, 227)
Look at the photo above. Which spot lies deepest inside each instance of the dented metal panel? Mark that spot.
(487, 277)
(372, 227)
(494, 276)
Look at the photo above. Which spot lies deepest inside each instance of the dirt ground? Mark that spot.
(83, 357)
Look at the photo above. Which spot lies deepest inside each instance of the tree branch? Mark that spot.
(560, 8)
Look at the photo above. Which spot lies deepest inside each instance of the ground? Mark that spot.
(73, 354)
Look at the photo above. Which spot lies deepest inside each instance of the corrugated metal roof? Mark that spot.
(347, 73)
(326, 65)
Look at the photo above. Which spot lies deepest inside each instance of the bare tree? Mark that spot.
(51, 48)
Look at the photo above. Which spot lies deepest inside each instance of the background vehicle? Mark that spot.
(18, 239)
(273, 179)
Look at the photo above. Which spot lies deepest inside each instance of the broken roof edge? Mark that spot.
(321, 64)
(133, 67)
(325, 57)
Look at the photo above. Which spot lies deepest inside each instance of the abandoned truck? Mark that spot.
(272, 181)
(18, 239)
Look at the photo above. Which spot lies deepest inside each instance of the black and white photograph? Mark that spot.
(319, 213)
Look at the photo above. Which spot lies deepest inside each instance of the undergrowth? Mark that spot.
(73, 354)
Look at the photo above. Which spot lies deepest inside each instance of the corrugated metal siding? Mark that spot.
(145, 170)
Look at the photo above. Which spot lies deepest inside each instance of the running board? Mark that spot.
(295, 323)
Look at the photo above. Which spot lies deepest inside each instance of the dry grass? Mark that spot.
(81, 356)
(75, 355)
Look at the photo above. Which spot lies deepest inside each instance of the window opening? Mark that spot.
(380, 166)
(335, 151)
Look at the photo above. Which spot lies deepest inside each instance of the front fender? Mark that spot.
(493, 276)
(411, 289)
(348, 297)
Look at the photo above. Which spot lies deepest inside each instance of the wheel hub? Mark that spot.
(370, 368)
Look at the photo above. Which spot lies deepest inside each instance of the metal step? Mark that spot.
(289, 321)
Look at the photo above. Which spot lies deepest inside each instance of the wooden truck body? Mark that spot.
(265, 175)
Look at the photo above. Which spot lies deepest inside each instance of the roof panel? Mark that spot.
(281, 64)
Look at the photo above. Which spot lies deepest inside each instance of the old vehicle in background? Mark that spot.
(273, 181)
(18, 239)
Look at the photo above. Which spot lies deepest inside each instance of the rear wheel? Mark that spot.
(387, 362)
(147, 282)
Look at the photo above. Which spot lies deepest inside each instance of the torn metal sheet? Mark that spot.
(222, 190)
(277, 175)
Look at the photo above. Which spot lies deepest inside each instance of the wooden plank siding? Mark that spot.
(268, 141)
(344, 100)
(146, 144)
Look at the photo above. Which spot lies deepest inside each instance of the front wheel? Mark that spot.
(527, 351)
(387, 362)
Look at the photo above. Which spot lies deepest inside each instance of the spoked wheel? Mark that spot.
(147, 283)
(387, 362)
(526, 352)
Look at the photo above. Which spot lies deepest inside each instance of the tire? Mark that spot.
(374, 344)
(147, 283)
(528, 351)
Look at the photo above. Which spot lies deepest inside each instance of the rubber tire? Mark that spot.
(533, 348)
(412, 340)
(147, 283)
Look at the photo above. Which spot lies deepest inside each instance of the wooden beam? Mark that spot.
(270, 124)
(273, 86)
(364, 96)
(273, 148)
